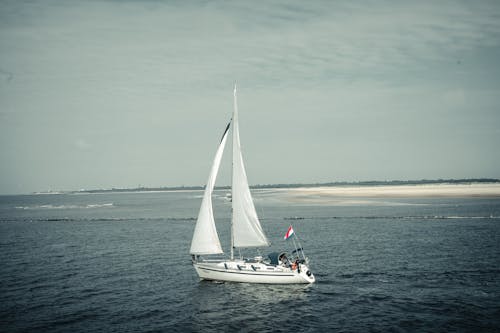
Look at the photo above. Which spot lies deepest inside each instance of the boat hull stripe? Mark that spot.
(246, 273)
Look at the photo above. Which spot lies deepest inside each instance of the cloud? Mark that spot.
(154, 78)
(176, 44)
(8, 76)
(454, 98)
(82, 144)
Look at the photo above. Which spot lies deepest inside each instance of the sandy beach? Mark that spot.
(335, 193)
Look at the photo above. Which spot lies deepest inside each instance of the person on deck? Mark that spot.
(285, 261)
(296, 265)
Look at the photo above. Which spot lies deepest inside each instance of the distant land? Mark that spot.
(296, 185)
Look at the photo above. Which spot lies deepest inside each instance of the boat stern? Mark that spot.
(306, 274)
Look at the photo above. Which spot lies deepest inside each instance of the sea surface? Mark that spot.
(119, 262)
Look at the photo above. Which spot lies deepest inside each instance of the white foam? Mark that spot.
(104, 205)
(62, 207)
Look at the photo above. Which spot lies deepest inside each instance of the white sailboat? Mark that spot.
(246, 232)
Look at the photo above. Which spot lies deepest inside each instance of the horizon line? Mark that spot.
(276, 185)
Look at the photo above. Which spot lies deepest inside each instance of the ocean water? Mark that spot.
(119, 262)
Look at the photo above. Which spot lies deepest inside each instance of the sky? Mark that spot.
(102, 94)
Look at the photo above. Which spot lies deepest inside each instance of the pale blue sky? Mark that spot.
(100, 94)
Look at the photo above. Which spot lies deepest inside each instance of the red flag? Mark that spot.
(289, 233)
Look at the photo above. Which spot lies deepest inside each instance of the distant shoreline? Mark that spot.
(325, 195)
(309, 186)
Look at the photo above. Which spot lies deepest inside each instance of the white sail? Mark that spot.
(205, 238)
(246, 228)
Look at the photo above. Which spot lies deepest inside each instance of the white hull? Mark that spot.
(252, 272)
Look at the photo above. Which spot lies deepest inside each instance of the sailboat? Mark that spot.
(246, 231)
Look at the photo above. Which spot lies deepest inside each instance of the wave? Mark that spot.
(100, 205)
(62, 207)
(411, 217)
(98, 219)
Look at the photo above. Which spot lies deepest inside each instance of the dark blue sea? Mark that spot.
(119, 262)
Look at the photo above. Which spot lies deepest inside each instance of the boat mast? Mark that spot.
(235, 123)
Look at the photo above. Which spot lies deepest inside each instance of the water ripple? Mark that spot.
(126, 268)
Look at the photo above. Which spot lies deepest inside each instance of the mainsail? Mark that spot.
(205, 238)
(246, 228)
